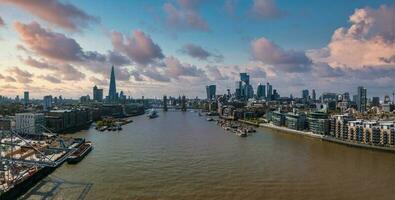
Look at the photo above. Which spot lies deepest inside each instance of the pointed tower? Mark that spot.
(112, 92)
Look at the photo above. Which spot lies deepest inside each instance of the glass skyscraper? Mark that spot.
(112, 92)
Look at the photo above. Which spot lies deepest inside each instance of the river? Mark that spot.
(180, 155)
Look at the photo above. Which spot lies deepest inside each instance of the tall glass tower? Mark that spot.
(112, 92)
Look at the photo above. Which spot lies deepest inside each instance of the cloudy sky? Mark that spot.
(65, 47)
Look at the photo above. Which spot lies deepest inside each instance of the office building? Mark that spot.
(261, 91)
(296, 121)
(97, 94)
(85, 99)
(275, 95)
(121, 96)
(361, 99)
(244, 90)
(183, 103)
(278, 118)
(328, 96)
(210, 90)
(346, 97)
(26, 98)
(29, 123)
(313, 95)
(164, 103)
(47, 102)
(269, 90)
(376, 101)
(248, 91)
(305, 95)
(244, 77)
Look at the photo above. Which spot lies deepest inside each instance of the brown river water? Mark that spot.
(183, 156)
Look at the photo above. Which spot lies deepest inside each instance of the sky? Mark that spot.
(175, 47)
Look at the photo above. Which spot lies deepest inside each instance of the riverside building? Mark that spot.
(29, 123)
(296, 121)
(339, 126)
(318, 123)
(372, 132)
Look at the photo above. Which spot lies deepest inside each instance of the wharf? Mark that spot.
(40, 169)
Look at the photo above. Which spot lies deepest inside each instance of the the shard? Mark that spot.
(112, 92)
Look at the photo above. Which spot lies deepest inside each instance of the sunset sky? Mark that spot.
(178, 46)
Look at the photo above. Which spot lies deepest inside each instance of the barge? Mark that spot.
(81, 152)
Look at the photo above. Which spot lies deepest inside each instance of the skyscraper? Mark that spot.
(164, 103)
(97, 94)
(183, 103)
(361, 99)
(375, 101)
(26, 97)
(346, 97)
(261, 91)
(210, 90)
(47, 102)
(313, 95)
(112, 92)
(269, 89)
(245, 78)
(305, 94)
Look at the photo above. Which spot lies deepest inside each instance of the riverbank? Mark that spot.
(287, 130)
(249, 122)
(326, 138)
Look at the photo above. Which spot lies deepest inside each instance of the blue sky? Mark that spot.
(289, 31)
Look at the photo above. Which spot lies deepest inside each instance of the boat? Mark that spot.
(152, 114)
(210, 119)
(119, 127)
(81, 152)
(251, 130)
(242, 134)
(103, 128)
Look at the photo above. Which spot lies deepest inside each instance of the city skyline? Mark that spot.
(179, 47)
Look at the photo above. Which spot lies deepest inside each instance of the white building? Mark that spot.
(29, 123)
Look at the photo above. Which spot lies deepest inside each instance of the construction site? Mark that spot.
(26, 159)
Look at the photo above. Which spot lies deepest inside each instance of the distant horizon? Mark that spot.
(176, 47)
